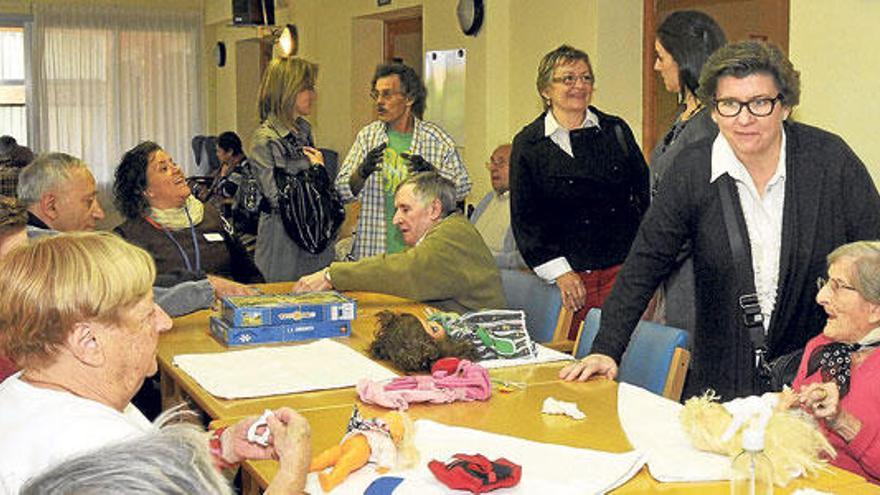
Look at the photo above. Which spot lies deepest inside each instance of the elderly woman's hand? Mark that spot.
(821, 400)
(314, 155)
(291, 439)
(571, 289)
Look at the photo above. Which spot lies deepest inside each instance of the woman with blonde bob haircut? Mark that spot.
(284, 140)
(79, 318)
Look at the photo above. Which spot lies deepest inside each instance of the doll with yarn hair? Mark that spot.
(791, 439)
(413, 343)
(386, 441)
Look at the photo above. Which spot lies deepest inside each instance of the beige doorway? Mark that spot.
(765, 20)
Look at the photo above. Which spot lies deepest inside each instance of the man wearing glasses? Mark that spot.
(762, 205)
(386, 151)
(491, 217)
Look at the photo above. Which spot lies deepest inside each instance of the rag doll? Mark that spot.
(386, 441)
(414, 343)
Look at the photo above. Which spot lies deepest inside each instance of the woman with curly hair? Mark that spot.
(185, 236)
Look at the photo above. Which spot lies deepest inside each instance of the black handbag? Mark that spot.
(309, 206)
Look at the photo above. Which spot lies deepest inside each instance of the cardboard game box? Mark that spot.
(287, 309)
(235, 336)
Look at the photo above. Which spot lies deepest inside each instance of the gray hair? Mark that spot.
(562, 55)
(46, 173)
(428, 186)
(171, 459)
(865, 257)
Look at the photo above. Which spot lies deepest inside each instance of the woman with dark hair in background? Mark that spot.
(684, 41)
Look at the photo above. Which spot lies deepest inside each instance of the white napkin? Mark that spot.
(555, 406)
(546, 468)
(652, 426)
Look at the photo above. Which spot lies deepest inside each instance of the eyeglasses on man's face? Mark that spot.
(386, 94)
(572, 79)
(835, 284)
(759, 107)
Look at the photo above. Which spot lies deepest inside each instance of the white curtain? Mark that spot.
(106, 78)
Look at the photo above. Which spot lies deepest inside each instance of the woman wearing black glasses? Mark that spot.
(578, 186)
(763, 204)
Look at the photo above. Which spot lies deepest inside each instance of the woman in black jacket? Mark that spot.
(579, 186)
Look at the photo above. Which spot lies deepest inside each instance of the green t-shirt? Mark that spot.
(394, 170)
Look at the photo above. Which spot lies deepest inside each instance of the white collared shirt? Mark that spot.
(763, 216)
(494, 223)
(561, 136)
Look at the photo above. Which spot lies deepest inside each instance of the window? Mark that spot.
(13, 104)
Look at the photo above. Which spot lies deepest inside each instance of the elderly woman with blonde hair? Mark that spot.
(79, 319)
(284, 140)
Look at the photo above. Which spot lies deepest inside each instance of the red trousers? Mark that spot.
(597, 284)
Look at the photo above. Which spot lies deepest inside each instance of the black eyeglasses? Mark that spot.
(759, 107)
(571, 79)
(385, 95)
(834, 283)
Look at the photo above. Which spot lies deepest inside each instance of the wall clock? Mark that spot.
(220, 54)
(470, 16)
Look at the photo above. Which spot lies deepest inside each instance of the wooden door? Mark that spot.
(765, 20)
(403, 42)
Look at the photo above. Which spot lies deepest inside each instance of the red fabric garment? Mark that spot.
(597, 284)
(7, 367)
(862, 454)
(475, 473)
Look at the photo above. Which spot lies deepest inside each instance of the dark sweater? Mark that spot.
(830, 200)
(586, 208)
(218, 257)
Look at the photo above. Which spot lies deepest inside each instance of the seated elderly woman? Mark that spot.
(172, 458)
(13, 219)
(84, 331)
(185, 236)
(839, 377)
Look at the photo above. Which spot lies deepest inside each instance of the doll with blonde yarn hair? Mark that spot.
(791, 440)
(386, 441)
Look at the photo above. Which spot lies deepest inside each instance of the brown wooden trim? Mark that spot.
(649, 100)
(396, 27)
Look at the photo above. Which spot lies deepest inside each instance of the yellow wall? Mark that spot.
(839, 63)
(501, 62)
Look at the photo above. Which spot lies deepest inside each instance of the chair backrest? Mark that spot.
(587, 333)
(656, 358)
(545, 316)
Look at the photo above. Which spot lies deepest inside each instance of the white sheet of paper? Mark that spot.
(545, 355)
(546, 468)
(258, 372)
(652, 426)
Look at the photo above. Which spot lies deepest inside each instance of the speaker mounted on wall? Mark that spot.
(253, 12)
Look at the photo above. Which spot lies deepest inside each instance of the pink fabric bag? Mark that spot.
(469, 382)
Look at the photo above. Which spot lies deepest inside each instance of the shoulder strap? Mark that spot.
(750, 311)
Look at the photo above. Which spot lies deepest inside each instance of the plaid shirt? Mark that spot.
(9, 180)
(430, 142)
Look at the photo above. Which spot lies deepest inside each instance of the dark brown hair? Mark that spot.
(401, 339)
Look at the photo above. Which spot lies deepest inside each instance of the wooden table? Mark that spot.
(190, 335)
(518, 414)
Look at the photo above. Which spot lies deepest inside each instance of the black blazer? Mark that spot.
(830, 200)
(585, 208)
